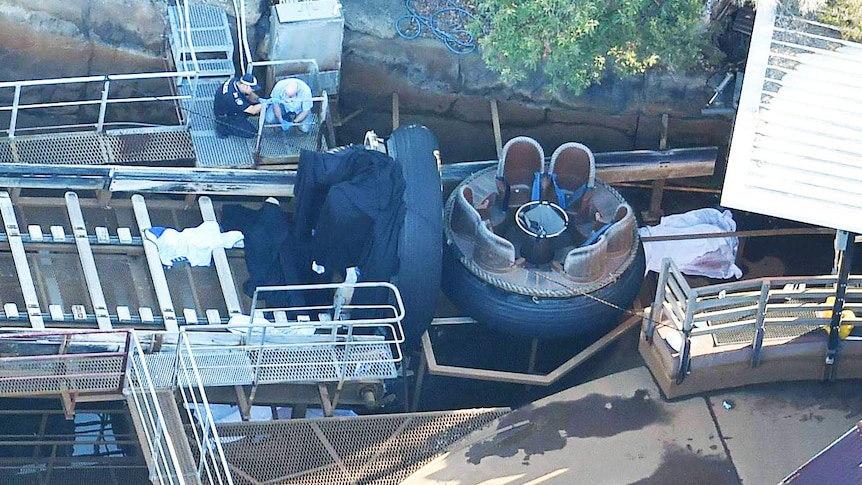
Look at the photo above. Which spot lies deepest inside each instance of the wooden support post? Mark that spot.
(757, 341)
(298, 411)
(243, 403)
(396, 115)
(654, 213)
(68, 404)
(103, 197)
(531, 365)
(498, 136)
(420, 376)
(325, 402)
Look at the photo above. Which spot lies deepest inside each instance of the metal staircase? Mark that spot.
(200, 41)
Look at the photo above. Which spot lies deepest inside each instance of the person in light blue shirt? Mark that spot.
(291, 105)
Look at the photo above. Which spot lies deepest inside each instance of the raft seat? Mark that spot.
(620, 236)
(574, 167)
(491, 251)
(465, 218)
(522, 158)
(587, 263)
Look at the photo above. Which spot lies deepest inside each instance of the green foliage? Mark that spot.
(846, 14)
(574, 42)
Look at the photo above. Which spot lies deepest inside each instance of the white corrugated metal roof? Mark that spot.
(796, 151)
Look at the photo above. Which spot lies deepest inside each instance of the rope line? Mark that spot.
(445, 20)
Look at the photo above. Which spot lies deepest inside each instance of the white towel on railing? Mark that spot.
(193, 245)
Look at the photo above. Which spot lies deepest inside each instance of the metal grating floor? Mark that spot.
(746, 335)
(27, 376)
(276, 143)
(92, 148)
(210, 28)
(368, 450)
(215, 152)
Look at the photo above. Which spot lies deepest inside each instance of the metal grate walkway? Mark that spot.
(210, 35)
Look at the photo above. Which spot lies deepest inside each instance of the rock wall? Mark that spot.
(448, 93)
(451, 94)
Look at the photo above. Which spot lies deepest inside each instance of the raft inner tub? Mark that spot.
(542, 221)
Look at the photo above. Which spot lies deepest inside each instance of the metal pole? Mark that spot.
(103, 106)
(844, 246)
(14, 119)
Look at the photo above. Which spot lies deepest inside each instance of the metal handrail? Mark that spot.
(756, 304)
(103, 102)
(314, 73)
(48, 374)
(164, 462)
(212, 461)
(323, 99)
(242, 33)
(187, 43)
(390, 321)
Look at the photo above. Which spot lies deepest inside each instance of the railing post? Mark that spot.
(14, 119)
(844, 244)
(103, 106)
(757, 342)
(658, 304)
(685, 355)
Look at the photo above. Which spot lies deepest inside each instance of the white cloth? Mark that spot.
(193, 245)
(712, 257)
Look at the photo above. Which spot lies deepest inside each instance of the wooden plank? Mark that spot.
(157, 272)
(88, 262)
(521, 378)
(22, 267)
(228, 288)
(631, 173)
(396, 112)
(630, 166)
(612, 167)
(495, 121)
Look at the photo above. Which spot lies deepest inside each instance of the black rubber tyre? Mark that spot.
(542, 318)
(421, 246)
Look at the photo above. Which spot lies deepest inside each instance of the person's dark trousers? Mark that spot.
(235, 126)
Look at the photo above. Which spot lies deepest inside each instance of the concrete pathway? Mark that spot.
(618, 430)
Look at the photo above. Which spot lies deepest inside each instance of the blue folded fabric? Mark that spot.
(286, 125)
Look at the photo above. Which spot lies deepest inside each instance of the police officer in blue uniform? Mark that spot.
(234, 102)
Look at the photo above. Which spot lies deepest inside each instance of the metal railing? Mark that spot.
(163, 460)
(754, 306)
(51, 363)
(335, 342)
(242, 33)
(103, 102)
(212, 463)
(321, 108)
(186, 41)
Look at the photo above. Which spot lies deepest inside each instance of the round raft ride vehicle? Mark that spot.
(541, 253)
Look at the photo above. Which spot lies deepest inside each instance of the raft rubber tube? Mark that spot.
(420, 249)
(586, 316)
